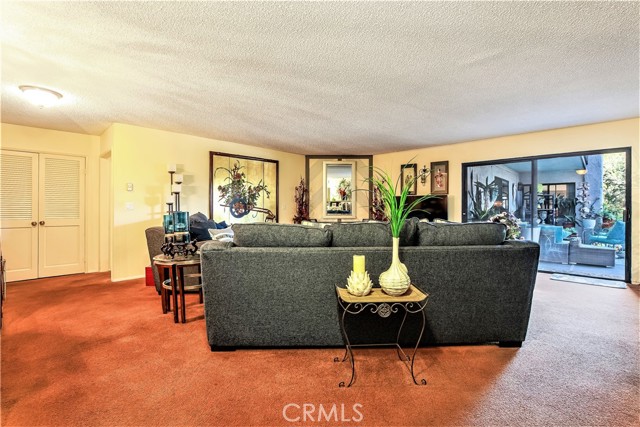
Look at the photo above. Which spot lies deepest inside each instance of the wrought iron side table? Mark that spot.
(377, 302)
(176, 281)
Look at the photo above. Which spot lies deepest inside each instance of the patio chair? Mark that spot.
(615, 235)
(552, 246)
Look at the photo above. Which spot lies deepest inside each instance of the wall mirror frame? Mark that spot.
(362, 184)
(338, 192)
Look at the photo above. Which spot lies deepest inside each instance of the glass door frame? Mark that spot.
(626, 217)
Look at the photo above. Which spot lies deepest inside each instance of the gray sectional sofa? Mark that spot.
(274, 286)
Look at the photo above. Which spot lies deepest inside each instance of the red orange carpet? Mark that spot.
(82, 351)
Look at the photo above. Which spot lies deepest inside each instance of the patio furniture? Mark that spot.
(615, 235)
(592, 255)
(552, 246)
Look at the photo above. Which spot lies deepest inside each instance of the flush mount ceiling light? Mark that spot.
(581, 171)
(40, 96)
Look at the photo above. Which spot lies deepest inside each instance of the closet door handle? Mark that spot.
(33, 223)
(41, 222)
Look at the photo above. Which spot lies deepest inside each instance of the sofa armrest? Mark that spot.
(520, 243)
(214, 245)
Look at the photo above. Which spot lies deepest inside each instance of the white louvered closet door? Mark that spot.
(19, 214)
(41, 214)
(61, 215)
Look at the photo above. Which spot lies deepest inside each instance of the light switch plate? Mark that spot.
(129, 186)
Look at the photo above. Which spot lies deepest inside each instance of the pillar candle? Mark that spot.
(358, 264)
(178, 178)
(171, 167)
(176, 188)
(170, 199)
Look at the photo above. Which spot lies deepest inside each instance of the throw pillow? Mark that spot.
(197, 217)
(222, 234)
(200, 230)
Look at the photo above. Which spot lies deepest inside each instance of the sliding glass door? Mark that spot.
(573, 205)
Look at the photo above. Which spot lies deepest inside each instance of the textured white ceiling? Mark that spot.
(323, 77)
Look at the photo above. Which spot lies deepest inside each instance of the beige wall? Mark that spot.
(617, 134)
(140, 156)
(36, 140)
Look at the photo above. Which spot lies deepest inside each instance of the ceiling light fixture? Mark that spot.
(581, 171)
(40, 96)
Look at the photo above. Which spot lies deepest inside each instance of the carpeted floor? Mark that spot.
(81, 351)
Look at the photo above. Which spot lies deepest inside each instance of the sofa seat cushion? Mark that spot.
(371, 234)
(259, 235)
(470, 233)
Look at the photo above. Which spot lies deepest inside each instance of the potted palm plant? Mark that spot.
(396, 280)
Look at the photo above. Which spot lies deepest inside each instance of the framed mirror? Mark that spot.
(338, 195)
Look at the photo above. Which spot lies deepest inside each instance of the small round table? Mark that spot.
(176, 285)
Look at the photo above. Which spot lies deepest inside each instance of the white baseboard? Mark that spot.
(123, 279)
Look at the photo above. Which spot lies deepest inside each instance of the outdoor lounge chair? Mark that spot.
(615, 235)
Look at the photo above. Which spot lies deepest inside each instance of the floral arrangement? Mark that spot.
(506, 218)
(584, 204)
(302, 202)
(238, 193)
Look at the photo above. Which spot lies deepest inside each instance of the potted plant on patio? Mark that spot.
(586, 207)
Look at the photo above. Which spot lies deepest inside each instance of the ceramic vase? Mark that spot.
(395, 281)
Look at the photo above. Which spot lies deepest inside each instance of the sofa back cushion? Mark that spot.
(262, 234)
(371, 234)
(470, 233)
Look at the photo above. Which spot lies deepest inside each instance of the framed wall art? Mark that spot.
(242, 189)
(440, 177)
(408, 175)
